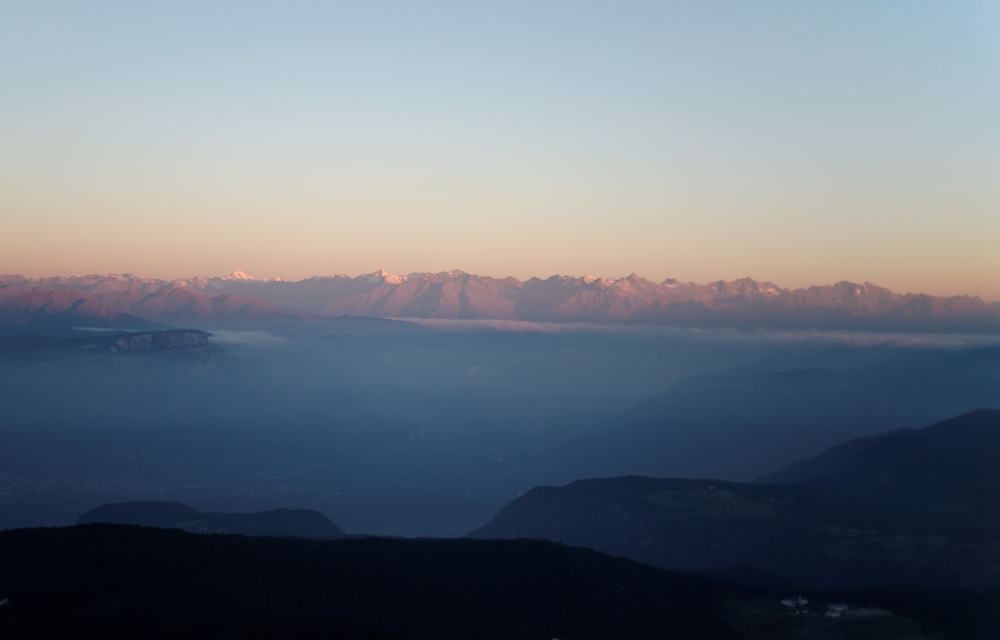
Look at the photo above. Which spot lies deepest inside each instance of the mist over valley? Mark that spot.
(409, 429)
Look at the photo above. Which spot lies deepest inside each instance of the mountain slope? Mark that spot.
(29, 310)
(178, 304)
(703, 525)
(918, 506)
(828, 462)
(947, 471)
(454, 295)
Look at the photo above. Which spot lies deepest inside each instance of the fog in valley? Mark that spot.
(428, 429)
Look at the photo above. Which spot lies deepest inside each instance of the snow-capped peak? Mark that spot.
(237, 275)
(383, 276)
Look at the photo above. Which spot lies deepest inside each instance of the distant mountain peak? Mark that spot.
(383, 276)
(238, 275)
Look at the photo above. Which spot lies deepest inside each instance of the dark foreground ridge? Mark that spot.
(124, 581)
(300, 523)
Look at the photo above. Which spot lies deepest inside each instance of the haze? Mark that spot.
(797, 143)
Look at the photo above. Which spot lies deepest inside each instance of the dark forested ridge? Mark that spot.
(826, 463)
(705, 525)
(947, 471)
(137, 579)
(127, 581)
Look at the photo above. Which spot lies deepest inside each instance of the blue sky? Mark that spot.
(803, 143)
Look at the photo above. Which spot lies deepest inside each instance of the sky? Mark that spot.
(798, 142)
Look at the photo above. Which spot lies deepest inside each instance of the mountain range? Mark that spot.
(456, 295)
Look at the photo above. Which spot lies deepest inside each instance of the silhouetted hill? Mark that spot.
(947, 471)
(301, 523)
(419, 588)
(116, 581)
(706, 525)
(916, 506)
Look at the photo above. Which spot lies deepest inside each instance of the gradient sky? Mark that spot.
(799, 142)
